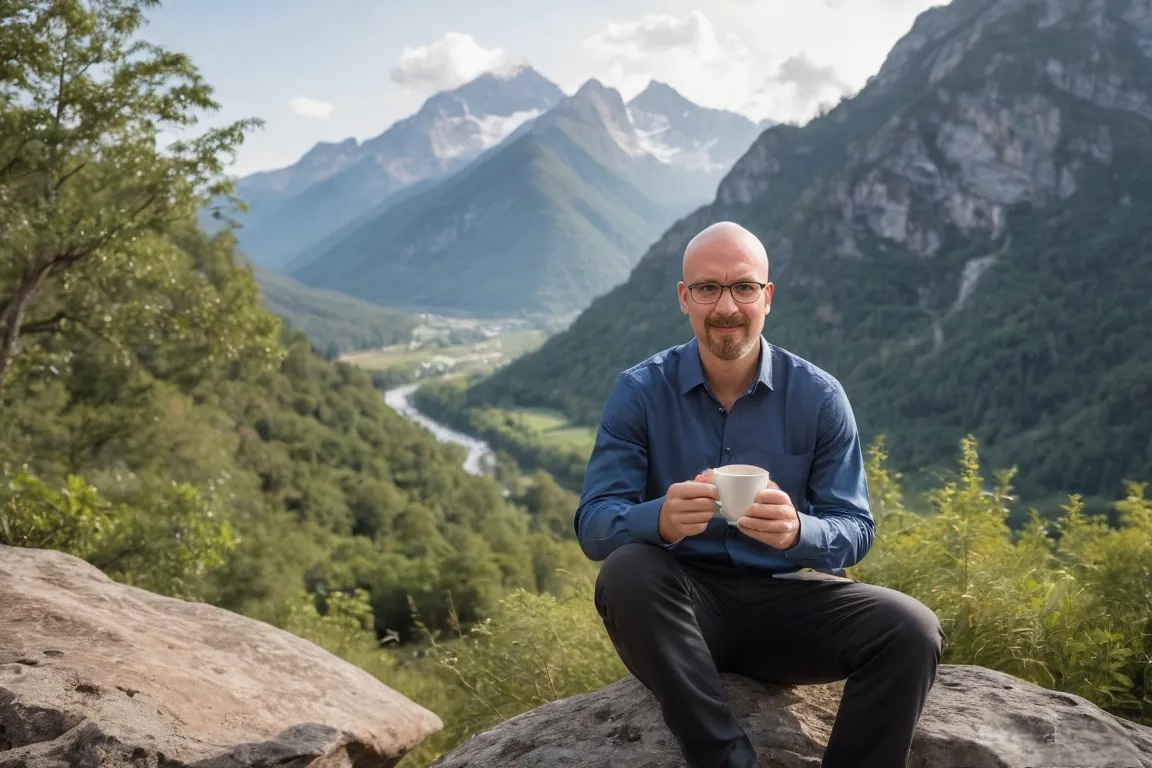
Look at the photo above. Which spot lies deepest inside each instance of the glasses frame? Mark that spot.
(729, 286)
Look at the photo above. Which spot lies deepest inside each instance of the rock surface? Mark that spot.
(95, 673)
(975, 718)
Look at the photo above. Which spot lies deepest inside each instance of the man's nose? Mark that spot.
(727, 304)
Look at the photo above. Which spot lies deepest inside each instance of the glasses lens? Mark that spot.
(745, 293)
(706, 293)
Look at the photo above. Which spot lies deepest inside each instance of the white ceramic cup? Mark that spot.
(737, 486)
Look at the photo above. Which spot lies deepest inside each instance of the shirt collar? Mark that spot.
(692, 372)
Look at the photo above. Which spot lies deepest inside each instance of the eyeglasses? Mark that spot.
(744, 292)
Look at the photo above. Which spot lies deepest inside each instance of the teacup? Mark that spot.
(737, 486)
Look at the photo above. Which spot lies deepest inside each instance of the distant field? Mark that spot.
(476, 357)
(552, 426)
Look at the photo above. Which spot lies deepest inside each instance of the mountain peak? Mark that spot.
(504, 92)
(593, 88)
(660, 96)
(597, 103)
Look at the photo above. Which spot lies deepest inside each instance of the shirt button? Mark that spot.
(727, 450)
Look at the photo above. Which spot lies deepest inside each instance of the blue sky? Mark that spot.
(332, 69)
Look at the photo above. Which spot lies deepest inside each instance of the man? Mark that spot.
(683, 594)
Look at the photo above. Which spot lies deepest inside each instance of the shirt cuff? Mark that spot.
(810, 546)
(644, 521)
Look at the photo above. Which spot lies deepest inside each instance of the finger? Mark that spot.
(694, 530)
(693, 516)
(772, 485)
(696, 490)
(775, 540)
(766, 526)
(701, 478)
(772, 496)
(697, 504)
(771, 511)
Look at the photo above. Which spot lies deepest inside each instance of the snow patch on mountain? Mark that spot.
(471, 134)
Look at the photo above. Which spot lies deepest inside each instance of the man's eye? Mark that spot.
(746, 290)
(707, 289)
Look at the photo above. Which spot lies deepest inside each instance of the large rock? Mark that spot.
(95, 673)
(975, 718)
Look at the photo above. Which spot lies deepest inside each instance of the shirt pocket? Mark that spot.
(790, 471)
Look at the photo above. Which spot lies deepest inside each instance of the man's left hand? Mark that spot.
(772, 519)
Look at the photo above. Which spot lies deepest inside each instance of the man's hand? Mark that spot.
(687, 509)
(772, 519)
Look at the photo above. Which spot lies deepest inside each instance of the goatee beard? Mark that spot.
(729, 347)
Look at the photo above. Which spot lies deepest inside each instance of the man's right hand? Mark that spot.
(687, 509)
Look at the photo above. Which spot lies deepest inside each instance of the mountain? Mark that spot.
(554, 216)
(334, 323)
(966, 244)
(334, 184)
(683, 133)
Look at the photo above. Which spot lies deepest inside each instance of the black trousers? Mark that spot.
(677, 626)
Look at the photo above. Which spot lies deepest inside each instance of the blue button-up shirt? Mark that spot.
(662, 425)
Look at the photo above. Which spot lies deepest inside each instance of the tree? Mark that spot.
(84, 181)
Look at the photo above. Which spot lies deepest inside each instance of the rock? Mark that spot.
(974, 718)
(95, 673)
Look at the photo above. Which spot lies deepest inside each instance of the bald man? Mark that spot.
(684, 594)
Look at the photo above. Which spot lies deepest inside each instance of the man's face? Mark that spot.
(729, 329)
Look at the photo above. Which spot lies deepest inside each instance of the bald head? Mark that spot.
(724, 239)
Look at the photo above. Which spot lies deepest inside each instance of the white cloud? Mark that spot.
(306, 107)
(806, 84)
(780, 59)
(448, 62)
(684, 52)
(657, 34)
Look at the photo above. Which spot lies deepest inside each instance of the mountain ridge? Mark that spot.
(562, 182)
(449, 130)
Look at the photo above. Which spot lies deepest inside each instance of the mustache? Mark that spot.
(735, 320)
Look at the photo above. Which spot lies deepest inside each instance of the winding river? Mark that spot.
(480, 457)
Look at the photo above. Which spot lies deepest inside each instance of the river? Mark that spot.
(480, 459)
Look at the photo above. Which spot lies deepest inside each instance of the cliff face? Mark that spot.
(988, 121)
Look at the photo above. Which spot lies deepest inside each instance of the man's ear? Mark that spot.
(682, 294)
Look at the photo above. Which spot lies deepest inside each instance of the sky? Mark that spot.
(333, 69)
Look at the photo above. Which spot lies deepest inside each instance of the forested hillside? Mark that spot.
(155, 418)
(333, 322)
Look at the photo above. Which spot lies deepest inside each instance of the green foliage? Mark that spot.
(167, 547)
(85, 187)
(532, 650)
(564, 459)
(1065, 605)
(333, 322)
(73, 518)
